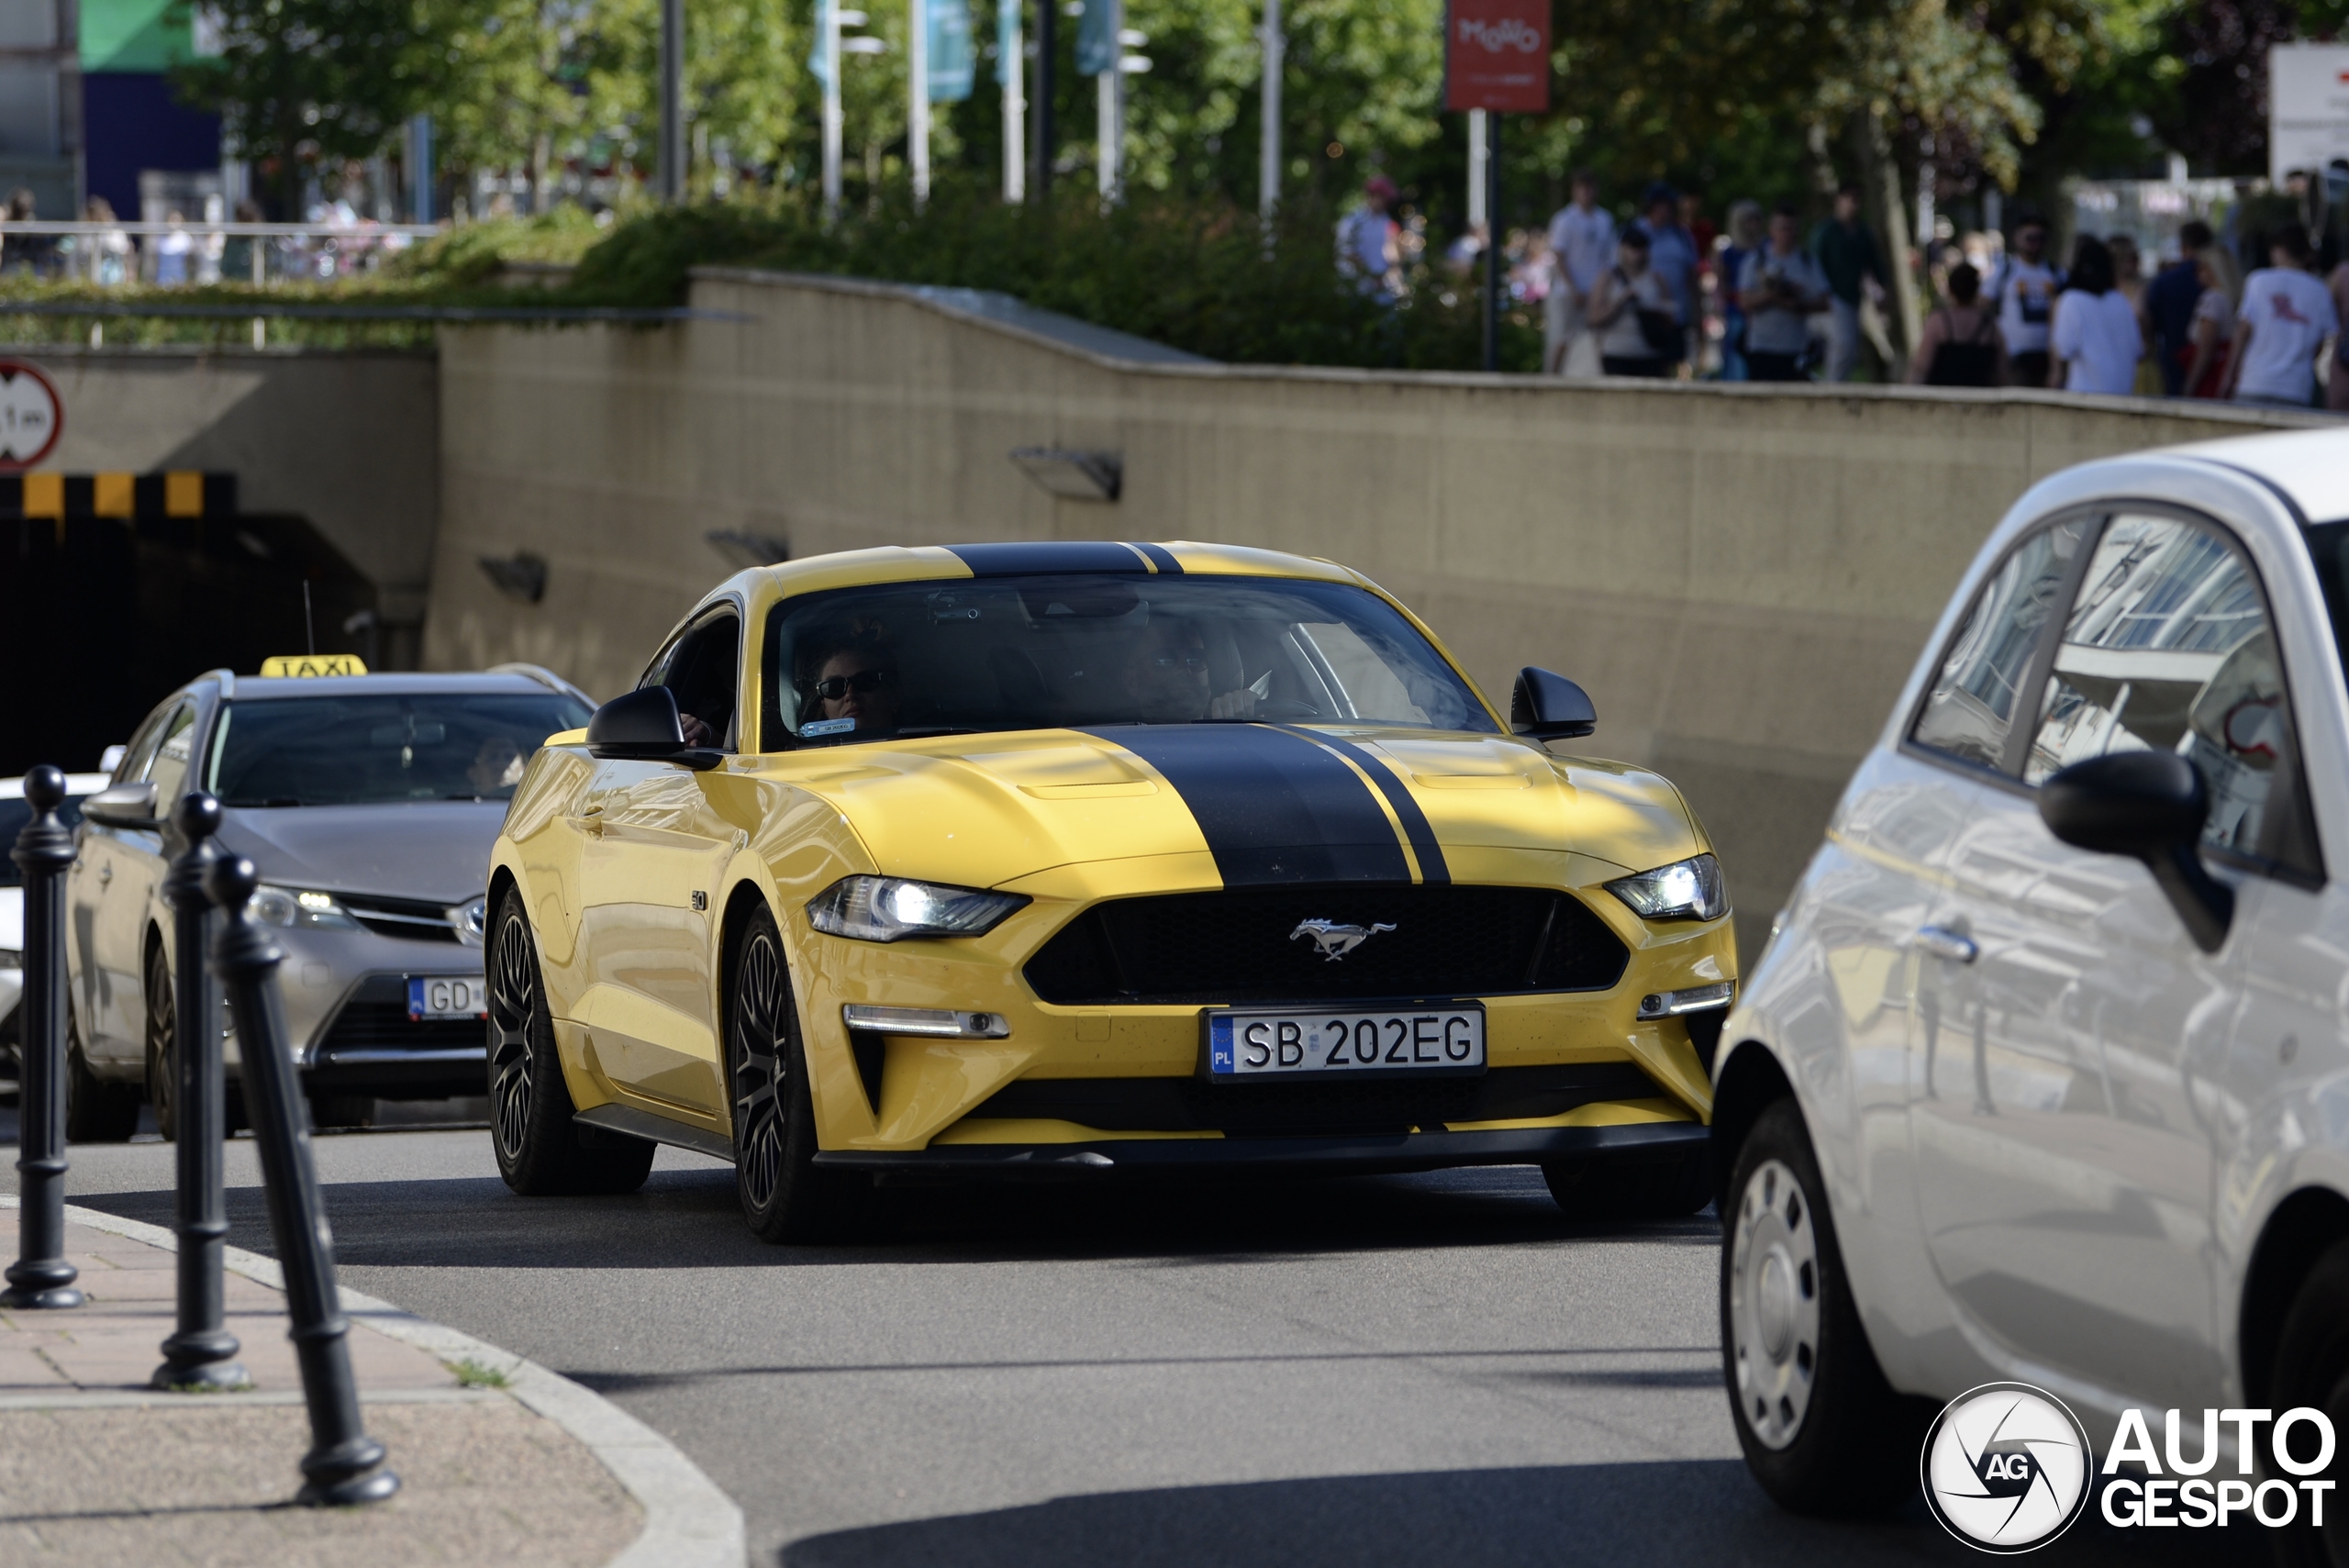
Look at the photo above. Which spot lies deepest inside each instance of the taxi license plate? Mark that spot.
(1430, 1040)
(446, 996)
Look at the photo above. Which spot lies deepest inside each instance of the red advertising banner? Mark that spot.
(1497, 56)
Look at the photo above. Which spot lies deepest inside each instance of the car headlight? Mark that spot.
(887, 908)
(1685, 890)
(299, 906)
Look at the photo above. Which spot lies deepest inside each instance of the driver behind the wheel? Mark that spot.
(849, 685)
(1167, 678)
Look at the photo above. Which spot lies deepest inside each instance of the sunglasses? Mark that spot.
(831, 688)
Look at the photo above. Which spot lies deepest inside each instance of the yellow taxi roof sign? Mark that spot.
(297, 664)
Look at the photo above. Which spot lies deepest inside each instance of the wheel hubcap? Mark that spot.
(513, 997)
(758, 1040)
(1774, 1304)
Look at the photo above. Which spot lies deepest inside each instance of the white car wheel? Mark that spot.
(1774, 1303)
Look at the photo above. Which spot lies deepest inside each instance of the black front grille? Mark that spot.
(1321, 1105)
(1241, 946)
(413, 918)
(376, 1018)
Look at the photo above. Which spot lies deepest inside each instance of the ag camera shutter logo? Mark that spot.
(2006, 1467)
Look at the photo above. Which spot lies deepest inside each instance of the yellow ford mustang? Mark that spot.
(1089, 860)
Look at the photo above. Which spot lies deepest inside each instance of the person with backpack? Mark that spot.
(1959, 345)
(1635, 314)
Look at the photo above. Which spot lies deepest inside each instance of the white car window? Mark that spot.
(170, 769)
(1970, 711)
(2169, 648)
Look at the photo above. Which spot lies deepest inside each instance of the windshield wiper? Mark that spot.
(274, 800)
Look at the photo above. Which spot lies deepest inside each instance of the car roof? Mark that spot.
(913, 563)
(257, 688)
(76, 784)
(2310, 467)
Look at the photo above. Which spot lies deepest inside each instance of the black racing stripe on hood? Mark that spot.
(1161, 558)
(1275, 807)
(1416, 826)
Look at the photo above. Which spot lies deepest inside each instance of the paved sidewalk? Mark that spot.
(94, 1468)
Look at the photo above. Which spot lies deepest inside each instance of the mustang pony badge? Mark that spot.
(1333, 941)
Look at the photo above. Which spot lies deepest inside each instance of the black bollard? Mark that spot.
(344, 1464)
(41, 1277)
(201, 1355)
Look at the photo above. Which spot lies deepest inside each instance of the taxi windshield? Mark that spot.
(1032, 652)
(367, 750)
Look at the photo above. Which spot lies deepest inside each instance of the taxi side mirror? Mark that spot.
(1550, 707)
(642, 725)
(2149, 806)
(124, 806)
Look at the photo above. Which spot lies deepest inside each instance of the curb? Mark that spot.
(688, 1522)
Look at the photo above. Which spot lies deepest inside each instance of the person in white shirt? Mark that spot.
(2022, 286)
(1582, 240)
(2287, 318)
(2095, 338)
(1780, 287)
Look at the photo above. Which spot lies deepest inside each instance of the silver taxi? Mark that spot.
(369, 803)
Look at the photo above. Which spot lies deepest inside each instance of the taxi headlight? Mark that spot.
(1685, 890)
(887, 908)
(291, 906)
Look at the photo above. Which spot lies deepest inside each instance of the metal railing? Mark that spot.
(125, 251)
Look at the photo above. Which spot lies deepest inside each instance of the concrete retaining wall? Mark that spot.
(1741, 575)
(350, 440)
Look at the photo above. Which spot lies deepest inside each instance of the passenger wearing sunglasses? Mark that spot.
(1168, 680)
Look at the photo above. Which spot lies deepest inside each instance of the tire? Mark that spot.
(540, 1151)
(2312, 1369)
(1629, 1188)
(162, 1012)
(1822, 1431)
(785, 1197)
(95, 1110)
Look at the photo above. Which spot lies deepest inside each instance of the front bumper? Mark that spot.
(1353, 1154)
(345, 996)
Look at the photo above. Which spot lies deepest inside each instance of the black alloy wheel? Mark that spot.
(541, 1151)
(784, 1195)
(2312, 1372)
(97, 1110)
(163, 1077)
(1627, 1187)
(1822, 1431)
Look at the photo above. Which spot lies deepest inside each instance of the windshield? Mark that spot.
(14, 812)
(1043, 652)
(365, 750)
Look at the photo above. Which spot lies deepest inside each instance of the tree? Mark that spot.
(306, 85)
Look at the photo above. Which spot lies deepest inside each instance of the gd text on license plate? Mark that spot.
(1438, 1039)
(446, 996)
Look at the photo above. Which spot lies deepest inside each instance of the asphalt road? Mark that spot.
(1399, 1370)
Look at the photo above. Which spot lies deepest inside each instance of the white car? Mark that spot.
(14, 814)
(2044, 1073)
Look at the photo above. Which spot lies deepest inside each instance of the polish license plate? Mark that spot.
(446, 996)
(1434, 1040)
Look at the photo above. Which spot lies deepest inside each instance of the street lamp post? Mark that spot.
(1268, 151)
(1011, 72)
(673, 104)
(918, 90)
(830, 45)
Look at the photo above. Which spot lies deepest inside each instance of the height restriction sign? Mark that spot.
(1497, 56)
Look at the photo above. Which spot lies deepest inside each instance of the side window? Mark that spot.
(141, 754)
(2169, 647)
(169, 767)
(1969, 713)
(703, 668)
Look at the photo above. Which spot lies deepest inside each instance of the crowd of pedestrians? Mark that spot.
(105, 253)
(1665, 295)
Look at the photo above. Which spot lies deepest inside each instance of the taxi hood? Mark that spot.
(1271, 803)
(432, 849)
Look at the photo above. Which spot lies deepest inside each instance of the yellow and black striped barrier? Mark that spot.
(133, 497)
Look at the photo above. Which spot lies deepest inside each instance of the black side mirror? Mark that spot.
(123, 805)
(1550, 707)
(2149, 806)
(642, 725)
